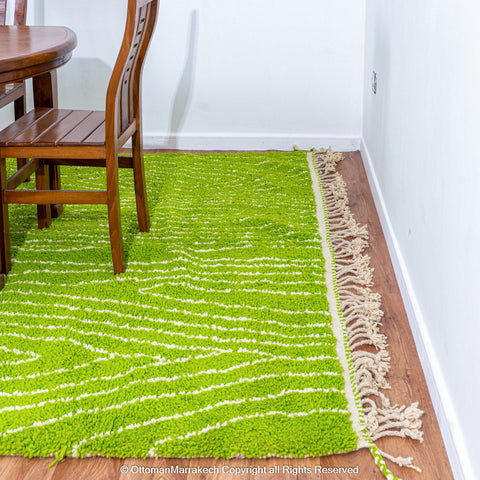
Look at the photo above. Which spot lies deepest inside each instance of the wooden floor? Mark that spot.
(406, 378)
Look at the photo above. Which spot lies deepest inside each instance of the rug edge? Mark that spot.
(338, 321)
(360, 312)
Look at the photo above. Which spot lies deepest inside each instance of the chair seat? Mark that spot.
(56, 127)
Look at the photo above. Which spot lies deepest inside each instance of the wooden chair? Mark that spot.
(14, 92)
(76, 137)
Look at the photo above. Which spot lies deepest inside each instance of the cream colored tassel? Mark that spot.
(362, 313)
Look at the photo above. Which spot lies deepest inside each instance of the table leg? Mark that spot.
(5, 258)
(20, 111)
(45, 94)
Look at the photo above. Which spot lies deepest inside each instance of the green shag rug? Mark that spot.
(224, 338)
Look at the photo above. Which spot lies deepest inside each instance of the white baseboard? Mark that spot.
(442, 403)
(249, 142)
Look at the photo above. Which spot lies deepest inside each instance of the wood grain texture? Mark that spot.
(45, 95)
(42, 180)
(22, 175)
(406, 378)
(51, 133)
(20, 110)
(20, 12)
(3, 11)
(15, 92)
(20, 16)
(27, 51)
(45, 196)
(5, 258)
(10, 92)
(123, 162)
(52, 127)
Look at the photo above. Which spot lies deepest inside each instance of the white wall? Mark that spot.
(421, 135)
(228, 74)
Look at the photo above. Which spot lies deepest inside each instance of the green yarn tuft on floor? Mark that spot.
(216, 342)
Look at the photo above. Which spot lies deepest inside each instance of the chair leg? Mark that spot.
(55, 184)
(19, 106)
(139, 180)
(5, 259)
(42, 183)
(114, 221)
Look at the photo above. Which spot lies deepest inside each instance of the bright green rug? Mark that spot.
(224, 337)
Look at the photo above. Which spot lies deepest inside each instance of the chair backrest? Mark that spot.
(20, 12)
(124, 90)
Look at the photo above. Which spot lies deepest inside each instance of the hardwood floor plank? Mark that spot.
(96, 468)
(18, 468)
(406, 376)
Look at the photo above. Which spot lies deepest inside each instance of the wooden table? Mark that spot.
(36, 52)
(33, 51)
